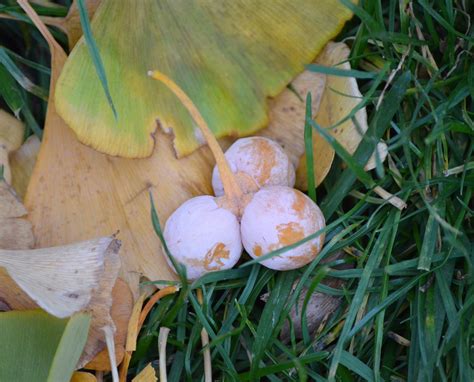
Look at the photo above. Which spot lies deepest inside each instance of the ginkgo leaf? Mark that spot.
(341, 96)
(11, 137)
(287, 120)
(94, 193)
(71, 24)
(148, 374)
(22, 162)
(122, 303)
(228, 56)
(81, 376)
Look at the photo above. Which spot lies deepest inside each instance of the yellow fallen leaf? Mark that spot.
(148, 374)
(81, 376)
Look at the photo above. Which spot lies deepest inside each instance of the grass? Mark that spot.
(407, 301)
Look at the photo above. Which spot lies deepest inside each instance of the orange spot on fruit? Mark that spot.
(308, 256)
(257, 250)
(215, 255)
(299, 204)
(265, 159)
(290, 233)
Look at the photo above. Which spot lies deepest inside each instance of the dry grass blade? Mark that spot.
(132, 334)
(162, 340)
(136, 322)
(392, 199)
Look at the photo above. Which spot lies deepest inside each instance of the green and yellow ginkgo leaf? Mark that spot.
(228, 55)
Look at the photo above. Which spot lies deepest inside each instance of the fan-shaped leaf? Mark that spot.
(229, 56)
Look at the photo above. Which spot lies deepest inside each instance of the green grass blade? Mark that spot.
(328, 70)
(20, 77)
(270, 317)
(358, 170)
(377, 127)
(95, 55)
(429, 243)
(308, 144)
(357, 366)
(372, 262)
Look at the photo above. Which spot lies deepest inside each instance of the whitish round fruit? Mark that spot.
(203, 236)
(279, 216)
(256, 162)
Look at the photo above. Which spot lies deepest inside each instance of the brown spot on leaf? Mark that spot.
(290, 233)
(216, 254)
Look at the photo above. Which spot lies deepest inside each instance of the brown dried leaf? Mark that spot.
(15, 233)
(340, 97)
(71, 24)
(48, 209)
(63, 280)
(100, 307)
(11, 131)
(11, 137)
(76, 192)
(287, 120)
(22, 162)
(15, 230)
(6, 172)
(287, 114)
(320, 305)
(122, 303)
(333, 99)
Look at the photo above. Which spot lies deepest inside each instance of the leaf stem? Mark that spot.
(231, 186)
